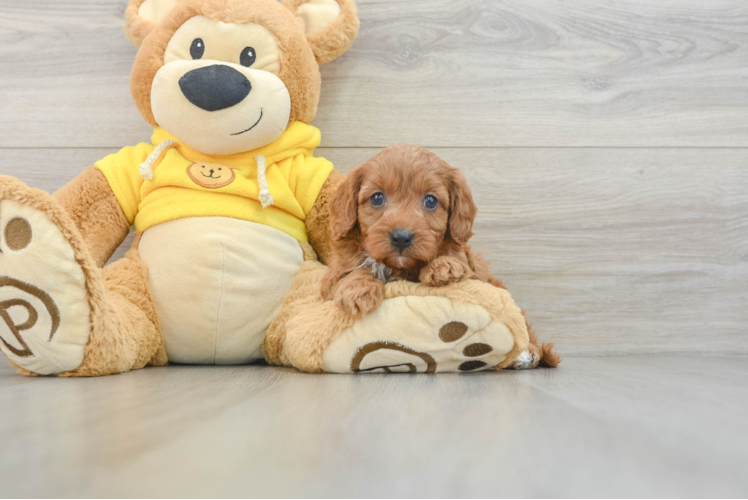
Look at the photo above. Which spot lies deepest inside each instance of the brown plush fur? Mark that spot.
(318, 220)
(333, 41)
(136, 28)
(128, 336)
(305, 327)
(308, 251)
(124, 328)
(89, 201)
(439, 255)
(299, 66)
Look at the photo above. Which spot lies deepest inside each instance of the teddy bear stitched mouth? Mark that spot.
(253, 126)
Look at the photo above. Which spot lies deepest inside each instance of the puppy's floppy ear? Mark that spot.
(330, 26)
(344, 210)
(143, 15)
(462, 209)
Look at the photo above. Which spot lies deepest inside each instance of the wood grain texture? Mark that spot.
(623, 247)
(611, 251)
(640, 426)
(431, 72)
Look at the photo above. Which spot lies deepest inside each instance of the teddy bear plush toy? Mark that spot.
(231, 212)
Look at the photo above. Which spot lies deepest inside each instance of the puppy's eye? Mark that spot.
(197, 49)
(247, 57)
(377, 199)
(430, 201)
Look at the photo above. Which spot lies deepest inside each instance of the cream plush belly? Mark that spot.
(218, 283)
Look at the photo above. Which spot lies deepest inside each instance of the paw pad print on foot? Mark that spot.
(469, 366)
(475, 350)
(22, 349)
(421, 334)
(452, 331)
(44, 311)
(396, 361)
(18, 234)
(393, 368)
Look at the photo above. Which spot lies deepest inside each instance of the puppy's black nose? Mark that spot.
(216, 87)
(401, 239)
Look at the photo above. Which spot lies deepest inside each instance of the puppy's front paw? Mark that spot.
(444, 271)
(359, 295)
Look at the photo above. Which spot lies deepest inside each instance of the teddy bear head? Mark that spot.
(229, 76)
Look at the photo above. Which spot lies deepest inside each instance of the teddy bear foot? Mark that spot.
(464, 327)
(411, 334)
(44, 302)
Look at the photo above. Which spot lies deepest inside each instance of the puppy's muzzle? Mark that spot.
(401, 239)
(214, 88)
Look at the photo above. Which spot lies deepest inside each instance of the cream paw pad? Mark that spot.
(421, 335)
(44, 305)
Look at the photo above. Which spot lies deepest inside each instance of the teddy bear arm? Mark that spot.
(318, 220)
(94, 209)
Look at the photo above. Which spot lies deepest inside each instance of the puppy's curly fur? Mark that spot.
(410, 189)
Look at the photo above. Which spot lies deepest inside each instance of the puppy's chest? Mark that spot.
(387, 274)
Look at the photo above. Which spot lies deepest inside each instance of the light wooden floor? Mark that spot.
(660, 425)
(607, 147)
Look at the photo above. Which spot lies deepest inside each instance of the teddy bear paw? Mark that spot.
(44, 308)
(413, 334)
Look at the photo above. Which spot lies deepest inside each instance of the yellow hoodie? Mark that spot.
(183, 182)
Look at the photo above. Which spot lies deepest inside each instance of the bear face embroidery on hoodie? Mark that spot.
(211, 175)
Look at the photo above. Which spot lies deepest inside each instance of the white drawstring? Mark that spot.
(146, 168)
(265, 197)
(146, 171)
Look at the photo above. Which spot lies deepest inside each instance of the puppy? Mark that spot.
(406, 215)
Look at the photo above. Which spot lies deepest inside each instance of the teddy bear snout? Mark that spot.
(214, 88)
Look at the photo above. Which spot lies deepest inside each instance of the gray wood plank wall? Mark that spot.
(606, 142)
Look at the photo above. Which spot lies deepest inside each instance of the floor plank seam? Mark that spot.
(435, 148)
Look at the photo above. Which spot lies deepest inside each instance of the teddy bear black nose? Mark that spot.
(216, 87)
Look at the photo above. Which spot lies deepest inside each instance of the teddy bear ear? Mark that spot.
(330, 26)
(142, 16)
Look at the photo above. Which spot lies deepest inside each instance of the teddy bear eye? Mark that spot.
(377, 199)
(197, 49)
(247, 57)
(430, 201)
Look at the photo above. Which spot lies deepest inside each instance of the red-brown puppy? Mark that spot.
(405, 214)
